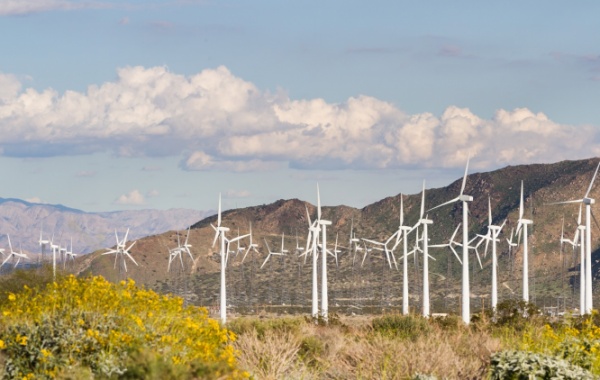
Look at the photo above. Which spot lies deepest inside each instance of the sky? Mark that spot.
(114, 105)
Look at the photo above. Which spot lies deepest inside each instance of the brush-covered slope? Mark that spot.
(359, 281)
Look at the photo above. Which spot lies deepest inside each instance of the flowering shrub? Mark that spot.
(113, 330)
(576, 341)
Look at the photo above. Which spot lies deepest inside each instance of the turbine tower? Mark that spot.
(423, 221)
(323, 223)
(224, 252)
(522, 224)
(492, 236)
(466, 292)
(403, 230)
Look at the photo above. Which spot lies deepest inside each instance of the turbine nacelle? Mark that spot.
(465, 198)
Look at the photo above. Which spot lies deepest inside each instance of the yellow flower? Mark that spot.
(12, 297)
(2, 345)
(46, 353)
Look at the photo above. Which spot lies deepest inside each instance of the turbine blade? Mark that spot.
(318, 203)
(490, 211)
(456, 254)
(464, 182)
(444, 204)
(592, 182)
(219, 212)
(521, 203)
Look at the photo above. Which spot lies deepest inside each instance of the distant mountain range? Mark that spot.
(553, 275)
(90, 231)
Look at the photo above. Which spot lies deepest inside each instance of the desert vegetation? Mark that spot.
(78, 328)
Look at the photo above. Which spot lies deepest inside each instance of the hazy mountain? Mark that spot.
(90, 231)
(287, 280)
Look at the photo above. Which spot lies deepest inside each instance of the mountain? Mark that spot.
(553, 275)
(90, 231)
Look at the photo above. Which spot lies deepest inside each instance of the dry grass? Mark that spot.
(352, 350)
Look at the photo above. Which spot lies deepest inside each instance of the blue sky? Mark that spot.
(110, 105)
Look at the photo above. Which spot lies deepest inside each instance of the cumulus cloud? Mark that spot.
(214, 120)
(134, 197)
(34, 200)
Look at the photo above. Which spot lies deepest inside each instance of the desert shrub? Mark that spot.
(261, 326)
(401, 326)
(508, 365)
(515, 314)
(311, 349)
(90, 326)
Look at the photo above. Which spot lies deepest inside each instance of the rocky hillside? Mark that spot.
(356, 284)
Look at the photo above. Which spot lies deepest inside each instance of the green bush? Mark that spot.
(401, 326)
(517, 365)
(245, 325)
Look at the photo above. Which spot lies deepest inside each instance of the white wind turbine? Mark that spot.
(43, 243)
(271, 253)
(69, 255)
(492, 236)
(175, 253)
(522, 226)
(55, 249)
(466, 292)
(402, 234)
(18, 255)
(588, 202)
(121, 251)
(425, 222)
(252, 246)
(579, 234)
(314, 229)
(324, 295)
(382, 247)
(220, 233)
(353, 242)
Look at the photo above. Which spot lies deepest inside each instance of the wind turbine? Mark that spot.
(121, 251)
(425, 222)
(43, 243)
(220, 234)
(175, 253)
(492, 236)
(252, 246)
(588, 202)
(55, 248)
(522, 226)
(323, 223)
(403, 230)
(271, 253)
(18, 255)
(314, 229)
(466, 293)
(69, 255)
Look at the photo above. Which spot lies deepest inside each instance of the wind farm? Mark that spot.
(372, 272)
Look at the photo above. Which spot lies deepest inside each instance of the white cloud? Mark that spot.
(86, 173)
(214, 120)
(20, 7)
(152, 193)
(237, 193)
(134, 197)
(34, 200)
